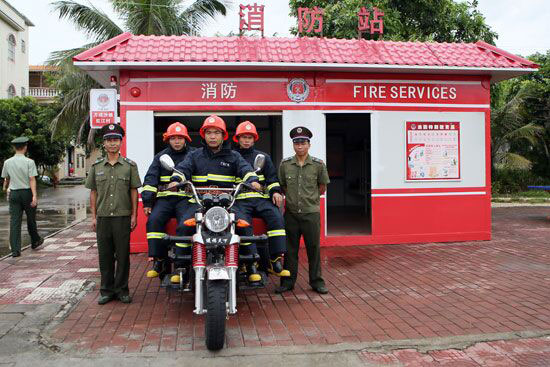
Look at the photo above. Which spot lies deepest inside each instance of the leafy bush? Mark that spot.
(510, 181)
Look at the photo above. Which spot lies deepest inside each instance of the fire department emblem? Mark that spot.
(103, 99)
(111, 127)
(211, 120)
(178, 129)
(297, 90)
(248, 127)
(299, 130)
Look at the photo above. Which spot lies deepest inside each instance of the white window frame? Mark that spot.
(12, 92)
(11, 47)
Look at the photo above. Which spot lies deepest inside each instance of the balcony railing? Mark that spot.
(39, 92)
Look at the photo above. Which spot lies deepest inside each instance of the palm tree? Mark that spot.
(148, 17)
(509, 128)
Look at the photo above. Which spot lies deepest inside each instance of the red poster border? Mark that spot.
(407, 144)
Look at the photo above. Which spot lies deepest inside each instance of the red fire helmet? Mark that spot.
(246, 127)
(176, 129)
(214, 121)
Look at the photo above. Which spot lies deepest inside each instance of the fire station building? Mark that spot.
(404, 127)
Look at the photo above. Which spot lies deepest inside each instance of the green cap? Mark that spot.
(20, 140)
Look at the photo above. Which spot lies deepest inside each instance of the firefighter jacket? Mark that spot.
(267, 175)
(221, 169)
(157, 176)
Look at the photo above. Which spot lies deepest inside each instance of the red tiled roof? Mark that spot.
(130, 48)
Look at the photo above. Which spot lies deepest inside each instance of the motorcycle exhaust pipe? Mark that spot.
(199, 265)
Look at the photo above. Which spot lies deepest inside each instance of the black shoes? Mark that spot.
(125, 299)
(37, 243)
(16, 254)
(321, 289)
(283, 288)
(104, 299)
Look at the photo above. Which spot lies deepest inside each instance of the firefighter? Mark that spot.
(217, 165)
(160, 206)
(265, 206)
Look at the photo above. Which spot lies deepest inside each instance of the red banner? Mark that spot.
(298, 90)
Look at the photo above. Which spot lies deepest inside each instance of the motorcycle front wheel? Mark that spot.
(216, 313)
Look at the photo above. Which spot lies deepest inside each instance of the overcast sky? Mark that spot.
(523, 27)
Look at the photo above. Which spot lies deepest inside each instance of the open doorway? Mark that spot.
(268, 126)
(349, 166)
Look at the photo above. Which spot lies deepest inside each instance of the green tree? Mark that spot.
(534, 109)
(147, 17)
(520, 129)
(411, 20)
(512, 131)
(24, 116)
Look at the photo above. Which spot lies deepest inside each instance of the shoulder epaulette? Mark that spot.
(99, 160)
(130, 161)
(286, 159)
(317, 160)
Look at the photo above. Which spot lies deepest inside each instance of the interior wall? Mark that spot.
(347, 136)
(266, 125)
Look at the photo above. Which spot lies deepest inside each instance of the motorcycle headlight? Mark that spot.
(216, 219)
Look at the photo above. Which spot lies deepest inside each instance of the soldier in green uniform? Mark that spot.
(19, 174)
(113, 181)
(303, 179)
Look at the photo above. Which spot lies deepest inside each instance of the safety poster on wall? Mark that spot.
(433, 151)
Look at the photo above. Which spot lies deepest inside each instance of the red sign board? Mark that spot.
(277, 90)
(103, 107)
(393, 91)
(433, 151)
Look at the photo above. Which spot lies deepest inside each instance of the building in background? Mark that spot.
(14, 51)
(39, 87)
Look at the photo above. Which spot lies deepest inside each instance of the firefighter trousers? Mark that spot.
(163, 210)
(266, 210)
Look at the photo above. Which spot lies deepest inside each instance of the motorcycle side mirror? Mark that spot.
(167, 162)
(259, 162)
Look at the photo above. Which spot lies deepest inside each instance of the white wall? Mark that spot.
(389, 144)
(313, 120)
(13, 72)
(140, 142)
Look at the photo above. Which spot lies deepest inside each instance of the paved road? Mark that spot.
(453, 304)
(57, 209)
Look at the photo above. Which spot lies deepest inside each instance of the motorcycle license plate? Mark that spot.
(218, 273)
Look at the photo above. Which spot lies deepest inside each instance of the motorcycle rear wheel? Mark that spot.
(216, 313)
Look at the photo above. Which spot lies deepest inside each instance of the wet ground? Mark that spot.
(481, 303)
(57, 209)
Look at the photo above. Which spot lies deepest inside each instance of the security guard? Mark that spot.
(266, 205)
(19, 174)
(162, 205)
(216, 164)
(303, 179)
(113, 181)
